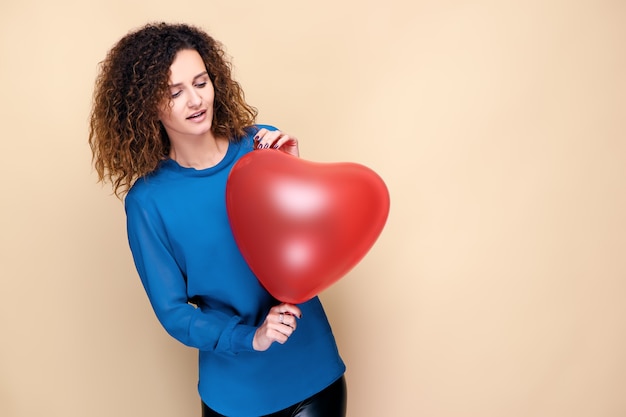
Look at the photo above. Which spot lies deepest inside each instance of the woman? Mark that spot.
(168, 123)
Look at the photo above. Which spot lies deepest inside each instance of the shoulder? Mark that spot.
(143, 187)
(146, 188)
(138, 196)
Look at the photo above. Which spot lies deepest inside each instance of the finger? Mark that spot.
(290, 321)
(277, 329)
(267, 138)
(287, 144)
(260, 134)
(289, 308)
(287, 319)
(278, 336)
(284, 140)
(259, 137)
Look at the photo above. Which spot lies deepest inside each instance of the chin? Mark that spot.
(203, 130)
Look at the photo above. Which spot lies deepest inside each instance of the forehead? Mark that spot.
(187, 64)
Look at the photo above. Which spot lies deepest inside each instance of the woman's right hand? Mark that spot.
(277, 139)
(279, 324)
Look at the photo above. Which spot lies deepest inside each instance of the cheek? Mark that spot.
(165, 119)
(164, 111)
(167, 112)
(210, 94)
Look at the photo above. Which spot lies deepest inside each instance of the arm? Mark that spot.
(166, 288)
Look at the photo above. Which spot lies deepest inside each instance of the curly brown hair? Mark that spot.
(125, 135)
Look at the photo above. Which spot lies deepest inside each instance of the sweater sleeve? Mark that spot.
(166, 288)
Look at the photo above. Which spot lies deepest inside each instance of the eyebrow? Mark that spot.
(194, 78)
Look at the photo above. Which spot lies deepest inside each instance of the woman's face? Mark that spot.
(189, 111)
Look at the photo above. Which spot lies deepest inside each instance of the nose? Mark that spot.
(194, 98)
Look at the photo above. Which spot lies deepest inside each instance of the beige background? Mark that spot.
(497, 287)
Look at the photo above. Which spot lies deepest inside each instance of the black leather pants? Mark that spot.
(330, 402)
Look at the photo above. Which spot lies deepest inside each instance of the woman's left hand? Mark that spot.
(275, 139)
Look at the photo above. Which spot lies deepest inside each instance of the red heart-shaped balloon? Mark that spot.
(303, 225)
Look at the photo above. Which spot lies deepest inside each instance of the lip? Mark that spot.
(197, 116)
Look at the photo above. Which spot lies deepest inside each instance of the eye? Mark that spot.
(176, 94)
(201, 84)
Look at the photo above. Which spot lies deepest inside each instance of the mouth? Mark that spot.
(196, 115)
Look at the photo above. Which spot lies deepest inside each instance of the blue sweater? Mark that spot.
(205, 295)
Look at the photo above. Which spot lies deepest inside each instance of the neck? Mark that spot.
(199, 153)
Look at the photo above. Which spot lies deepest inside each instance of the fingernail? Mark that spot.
(275, 146)
(256, 138)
